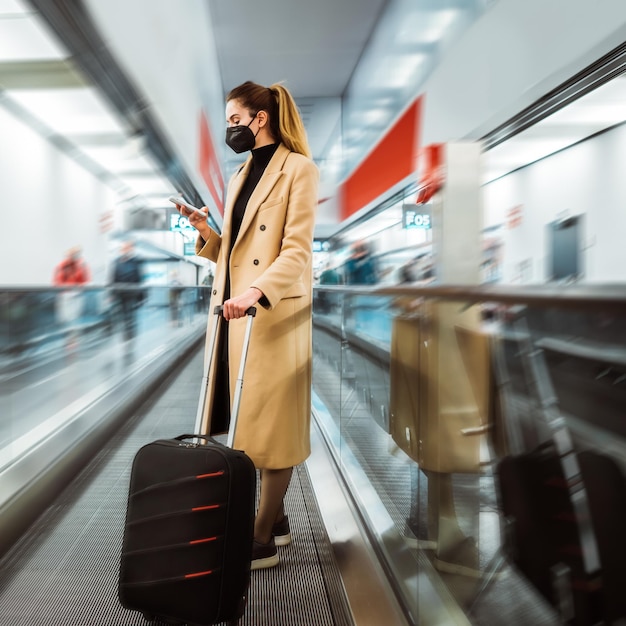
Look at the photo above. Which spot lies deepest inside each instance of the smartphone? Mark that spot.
(183, 202)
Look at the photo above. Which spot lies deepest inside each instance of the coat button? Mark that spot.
(262, 227)
(256, 261)
(215, 292)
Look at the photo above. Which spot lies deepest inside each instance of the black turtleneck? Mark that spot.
(260, 158)
(221, 401)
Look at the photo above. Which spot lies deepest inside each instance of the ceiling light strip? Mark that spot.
(59, 141)
(70, 21)
(593, 76)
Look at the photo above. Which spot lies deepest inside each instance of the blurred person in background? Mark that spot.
(128, 297)
(408, 271)
(175, 295)
(204, 292)
(207, 281)
(71, 271)
(329, 276)
(264, 257)
(361, 266)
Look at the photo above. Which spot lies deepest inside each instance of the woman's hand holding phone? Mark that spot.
(197, 217)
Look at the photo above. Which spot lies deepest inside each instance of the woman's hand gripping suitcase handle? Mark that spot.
(238, 306)
(219, 310)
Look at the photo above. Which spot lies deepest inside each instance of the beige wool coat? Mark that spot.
(273, 252)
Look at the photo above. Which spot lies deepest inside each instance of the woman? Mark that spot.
(263, 257)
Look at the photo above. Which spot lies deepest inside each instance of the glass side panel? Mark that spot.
(430, 405)
(59, 348)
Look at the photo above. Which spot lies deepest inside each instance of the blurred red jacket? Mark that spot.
(71, 272)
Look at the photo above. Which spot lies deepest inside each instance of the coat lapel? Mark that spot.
(270, 177)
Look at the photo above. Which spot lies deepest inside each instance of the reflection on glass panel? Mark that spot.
(352, 336)
(60, 348)
(585, 355)
(469, 436)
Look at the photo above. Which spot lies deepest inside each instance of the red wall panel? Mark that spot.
(392, 160)
(209, 165)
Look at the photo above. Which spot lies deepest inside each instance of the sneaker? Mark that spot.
(281, 532)
(264, 555)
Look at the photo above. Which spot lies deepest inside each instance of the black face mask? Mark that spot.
(241, 138)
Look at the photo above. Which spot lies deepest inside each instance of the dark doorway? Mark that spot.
(564, 250)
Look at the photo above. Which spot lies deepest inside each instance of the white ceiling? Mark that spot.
(313, 45)
(39, 83)
(352, 65)
(22, 37)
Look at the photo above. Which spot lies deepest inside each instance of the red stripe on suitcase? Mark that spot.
(195, 541)
(196, 574)
(206, 508)
(212, 475)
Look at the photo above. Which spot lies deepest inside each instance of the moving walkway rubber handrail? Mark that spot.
(607, 296)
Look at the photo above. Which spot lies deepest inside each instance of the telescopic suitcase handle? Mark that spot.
(218, 312)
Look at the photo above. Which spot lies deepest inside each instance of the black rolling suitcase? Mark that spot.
(565, 510)
(189, 524)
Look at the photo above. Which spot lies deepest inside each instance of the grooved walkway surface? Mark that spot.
(64, 569)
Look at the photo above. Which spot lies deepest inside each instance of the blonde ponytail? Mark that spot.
(292, 131)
